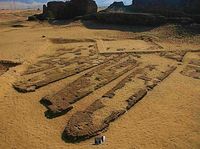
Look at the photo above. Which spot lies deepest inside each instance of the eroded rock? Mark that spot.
(130, 18)
(66, 10)
(167, 7)
(117, 7)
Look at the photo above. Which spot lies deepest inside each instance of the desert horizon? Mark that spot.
(31, 4)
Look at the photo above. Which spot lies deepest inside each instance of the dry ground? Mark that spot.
(167, 117)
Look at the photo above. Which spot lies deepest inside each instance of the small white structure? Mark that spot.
(99, 140)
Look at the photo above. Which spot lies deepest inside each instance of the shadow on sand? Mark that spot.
(60, 22)
(189, 29)
(128, 28)
(90, 24)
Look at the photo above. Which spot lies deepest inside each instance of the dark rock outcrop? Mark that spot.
(163, 7)
(66, 10)
(117, 7)
(167, 7)
(192, 6)
(158, 4)
(141, 12)
(151, 12)
(57, 10)
(130, 18)
(83, 7)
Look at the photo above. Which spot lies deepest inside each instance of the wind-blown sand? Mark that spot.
(167, 117)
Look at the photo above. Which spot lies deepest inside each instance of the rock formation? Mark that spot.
(130, 18)
(66, 10)
(83, 7)
(117, 7)
(192, 6)
(170, 11)
(151, 12)
(167, 7)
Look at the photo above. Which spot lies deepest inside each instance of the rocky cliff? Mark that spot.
(66, 10)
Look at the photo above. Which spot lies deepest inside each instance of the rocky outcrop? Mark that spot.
(83, 7)
(150, 12)
(167, 7)
(130, 18)
(117, 7)
(163, 7)
(170, 11)
(66, 10)
(158, 4)
(57, 10)
(192, 6)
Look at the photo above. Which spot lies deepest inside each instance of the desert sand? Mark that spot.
(167, 117)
